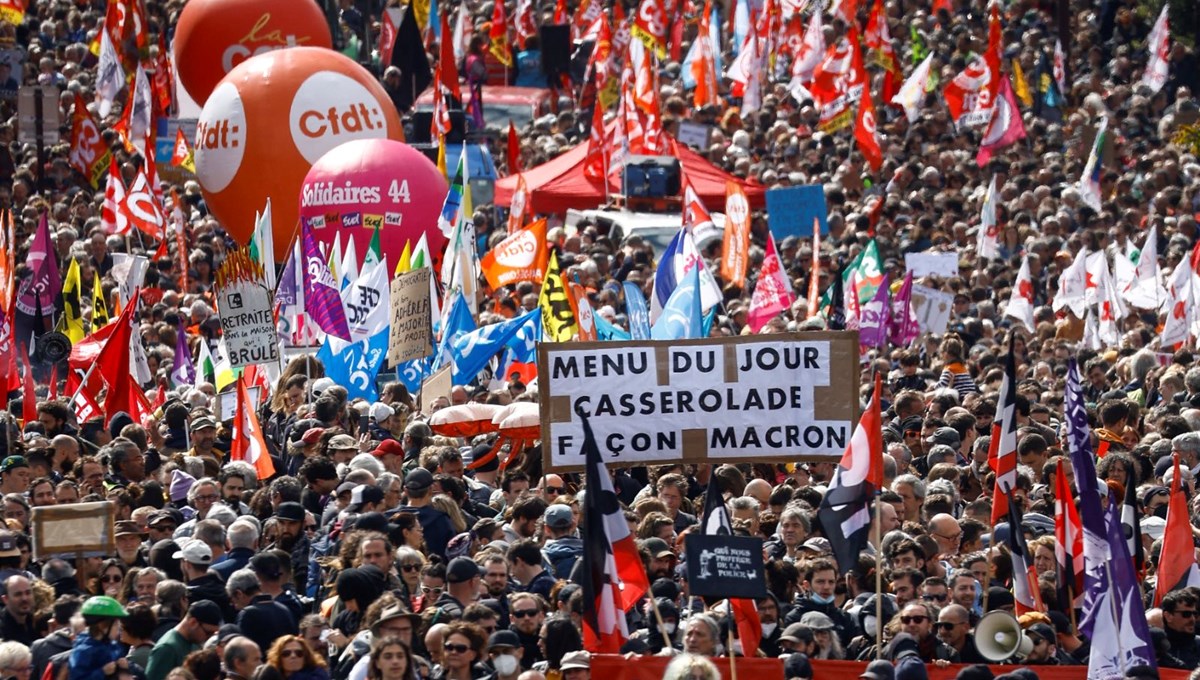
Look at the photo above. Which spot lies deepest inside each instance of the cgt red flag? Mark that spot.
(248, 443)
(113, 365)
(1177, 566)
(865, 132)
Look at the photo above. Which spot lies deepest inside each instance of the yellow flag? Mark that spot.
(99, 307)
(72, 304)
(558, 314)
(1020, 87)
(441, 161)
(405, 262)
(420, 10)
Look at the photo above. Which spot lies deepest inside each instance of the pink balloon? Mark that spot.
(366, 182)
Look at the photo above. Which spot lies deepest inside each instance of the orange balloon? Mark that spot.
(269, 120)
(214, 36)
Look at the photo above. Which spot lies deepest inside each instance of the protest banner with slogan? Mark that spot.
(790, 211)
(932, 308)
(245, 304)
(932, 264)
(411, 334)
(76, 530)
(784, 397)
(725, 566)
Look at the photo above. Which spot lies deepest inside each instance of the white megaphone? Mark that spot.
(999, 637)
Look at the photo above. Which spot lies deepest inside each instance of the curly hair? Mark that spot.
(275, 654)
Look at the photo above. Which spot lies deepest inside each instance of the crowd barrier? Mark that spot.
(614, 667)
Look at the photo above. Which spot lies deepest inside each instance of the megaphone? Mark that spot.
(999, 637)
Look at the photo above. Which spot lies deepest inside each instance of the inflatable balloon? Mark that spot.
(214, 36)
(270, 119)
(374, 182)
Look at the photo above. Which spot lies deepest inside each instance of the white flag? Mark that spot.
(110, 76)
(988, 245)
(912, 92)
(1159, 46)
(1146, 291)
(1020, 304)
(367, 302)
(1179, 303)
(1072, 286)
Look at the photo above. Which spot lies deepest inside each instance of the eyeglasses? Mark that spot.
(914, 619)
(955, 537)
(947, 625)
(455, 648)
(410, 567)
(310, 527)
(292, 652)
(556, 490)
(111, 578)
(524, 613)
(1186, 613)
(935, 598)
(427, 590)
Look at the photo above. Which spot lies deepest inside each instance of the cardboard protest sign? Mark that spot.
(725, 566)
(932, 264)
(437, 385)
(790, 211)
(245, 304)
(411, 330)
(76, 530)
(783, 397)
(932, 308)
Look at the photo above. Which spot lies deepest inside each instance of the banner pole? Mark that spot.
(658, 617)
(878, 579)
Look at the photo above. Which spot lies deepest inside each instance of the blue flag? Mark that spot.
(412, 373)
(457, 323)
(1095, 530)
(472, 351)
(638, 312)
(681, 317)
(608, 332)
(354, 365)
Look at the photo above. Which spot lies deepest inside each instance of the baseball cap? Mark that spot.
(657, 547)
(504, 638)
(574, 660)
(127, 528)
(819, 544)
(342, 441)
(290, 511)
(364, 494)
(461, 570)
(195, 552)
(418, 479)
(879, 670)
(559, 516)
(202, 422)
(206, 612)
(12, 463)
(1042, 631)
(388, 447)
(381, 411)
(321, 384)
(345, 487)
(312, 434)
(8, 544)
(160, 516)
(944, 435)
(1154, 527)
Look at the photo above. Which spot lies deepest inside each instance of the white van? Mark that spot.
(657, 229)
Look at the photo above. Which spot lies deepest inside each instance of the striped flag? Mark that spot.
(845, 512)
(322, 300)
(248, 443)
(1068, 546)
(1089, 183)
(1025, 584)
(612, 577)
(1002, 455)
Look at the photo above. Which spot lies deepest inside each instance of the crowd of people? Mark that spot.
(374, 552)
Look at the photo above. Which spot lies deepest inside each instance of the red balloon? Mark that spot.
(270, 119)
(214, 36)
(370, 182)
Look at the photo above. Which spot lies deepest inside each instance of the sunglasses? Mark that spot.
(427, 589)
(292, 652)
(914, 619)
(523, 613)
(946, 625)
(114, 578)
(556, 490)
(456, 648)
(410, 567)
(934, 598)
(1186, 613)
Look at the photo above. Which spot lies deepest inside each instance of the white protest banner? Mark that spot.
(784, 397)
(411, 335)
(932, 308)
(245, 305)
(129, 271)
(944, 265)
(366, 303)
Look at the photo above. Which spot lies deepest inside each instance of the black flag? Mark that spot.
(409, 57)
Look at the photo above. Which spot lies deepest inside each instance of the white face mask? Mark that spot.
(869, 625)
(669, 628)
(505, 664)
(768, 628)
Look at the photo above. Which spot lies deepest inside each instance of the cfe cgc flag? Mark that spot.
(246, 307)
(520, 257)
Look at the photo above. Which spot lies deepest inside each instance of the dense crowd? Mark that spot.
(375, 553)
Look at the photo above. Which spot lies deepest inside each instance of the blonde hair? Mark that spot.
(447, 505)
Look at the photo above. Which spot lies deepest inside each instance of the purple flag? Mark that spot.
(873, 318)
(321, 297)
(1120, 636)
(37, 292)
(902, 326)
(184, 372)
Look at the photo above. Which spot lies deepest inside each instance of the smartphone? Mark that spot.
(364, 421)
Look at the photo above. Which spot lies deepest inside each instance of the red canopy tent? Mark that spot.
(560, 184)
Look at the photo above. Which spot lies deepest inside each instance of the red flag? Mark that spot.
(387, 38)
(865, 132)
(560, 12)
(514, 150)
(526, 23)
(113, 365)
(749, 625)
(53, 382)
(772, 292)
(89, 153)
(651, 24)
(449, 69)
(28, 396)
(704, 69)
(163, 82)
(141, 207)
(969, 95)
(1177, 564)
(248, 443)
(1005, 128)
(519, 206)
(597, 151)
(814, 276)
(499, 36)
(994, 48)
(1068, 548)
(112, 217)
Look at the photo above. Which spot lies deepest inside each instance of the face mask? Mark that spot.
(821, 599)
(869, 624)
(506, 664)
(1161, 512)
(669, 628)
(768, 628)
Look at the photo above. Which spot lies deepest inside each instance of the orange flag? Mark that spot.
(735, 249)
(520, 257)
(248, 443)
(583, 313)
(865, 132)
(89, 154)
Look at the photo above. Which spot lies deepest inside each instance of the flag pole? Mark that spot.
(878, 578)
(732, 626)
(658, 617)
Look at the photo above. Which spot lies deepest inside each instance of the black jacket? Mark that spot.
(264, 620)
(13, 629)
(211, 587)
(842, 623)
(238, 558)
